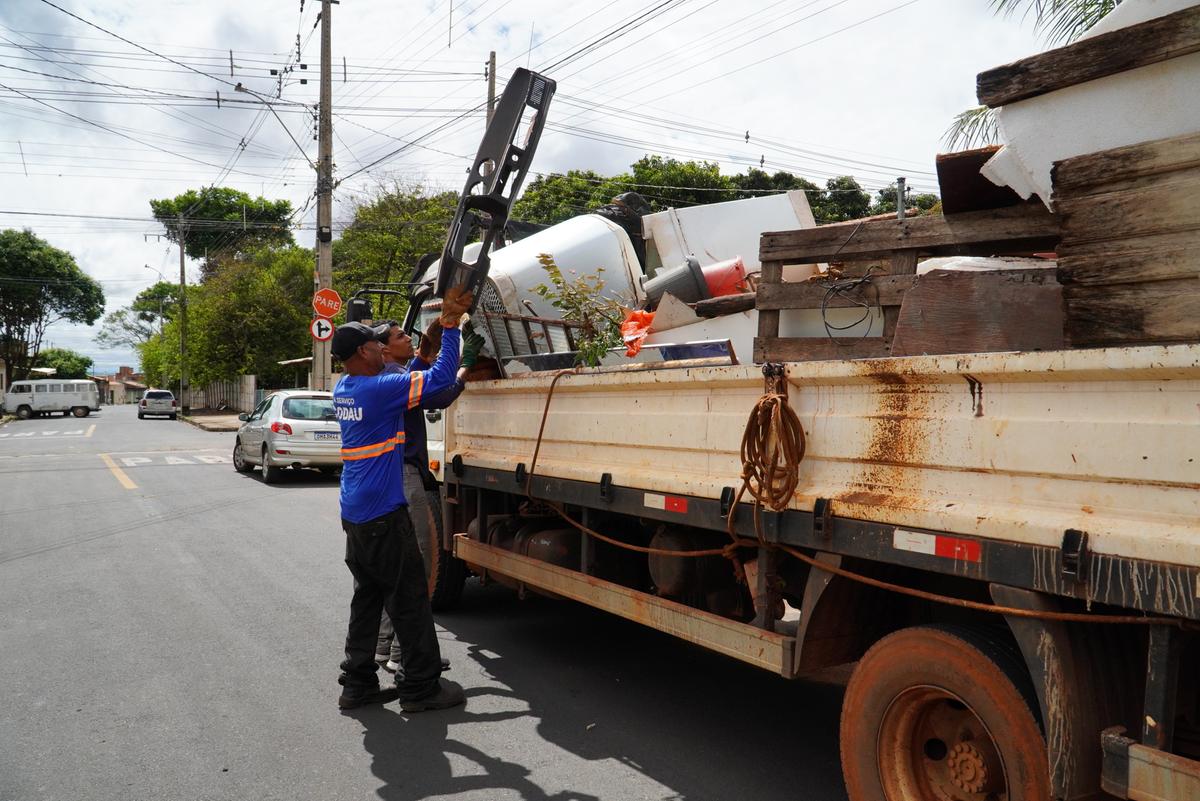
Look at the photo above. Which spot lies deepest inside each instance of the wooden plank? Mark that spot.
(1169, 204)
(885, 290)
(768, 321)
(1129, 314)
(962, 186)
(1149, 258)
(1019, 229)
(951, 311)
(1096, 171)
(1125, 49)
(903, 262)
(810, 349)
(726, 304)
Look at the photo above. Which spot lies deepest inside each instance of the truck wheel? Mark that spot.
(271, 473)
(942, 713)
(24, 412)
(239, 459)
(449, 576)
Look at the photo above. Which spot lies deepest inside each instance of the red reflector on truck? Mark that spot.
(954, 548)
(668, 503)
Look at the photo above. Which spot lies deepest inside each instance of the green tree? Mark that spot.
(217, 222)
(142, 319)
(251, 314)
(66, 363)
(390, 232)
(39, 285)
(551, 199)
(843, 199)
(885, 201)
(697, 182)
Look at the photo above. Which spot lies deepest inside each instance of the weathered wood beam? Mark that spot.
(1125, 49)
(726, 304)
(811, 294)
(807, 349)
(1024, 228)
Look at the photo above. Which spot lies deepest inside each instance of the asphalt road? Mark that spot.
(172, 630)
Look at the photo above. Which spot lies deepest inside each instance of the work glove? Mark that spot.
(454, 306)
(472, 343)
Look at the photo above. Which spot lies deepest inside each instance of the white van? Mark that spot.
(33, 398)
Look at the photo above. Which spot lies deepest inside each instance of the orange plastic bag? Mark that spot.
(635, 329)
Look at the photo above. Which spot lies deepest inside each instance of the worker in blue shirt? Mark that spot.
(420, 487)
(381, 549)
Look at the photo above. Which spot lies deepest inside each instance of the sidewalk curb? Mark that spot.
(204, 426)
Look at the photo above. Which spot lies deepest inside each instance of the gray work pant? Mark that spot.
(425, 508)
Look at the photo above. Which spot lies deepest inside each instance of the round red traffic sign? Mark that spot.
(326, 302)
(321, 329)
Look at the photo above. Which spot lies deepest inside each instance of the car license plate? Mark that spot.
(327, 435)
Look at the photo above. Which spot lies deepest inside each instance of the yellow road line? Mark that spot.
(91, 428)
(117, 472)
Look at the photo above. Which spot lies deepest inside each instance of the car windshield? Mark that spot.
(308, 408)
(159, 395)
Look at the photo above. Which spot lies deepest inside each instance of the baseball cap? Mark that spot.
(349, 336)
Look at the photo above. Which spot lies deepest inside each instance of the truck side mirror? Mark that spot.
(358, 309)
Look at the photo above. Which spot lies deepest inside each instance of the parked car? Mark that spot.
(35, 397)
(158, 402)
(291, 428)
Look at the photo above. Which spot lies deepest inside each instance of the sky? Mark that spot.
(105, 104)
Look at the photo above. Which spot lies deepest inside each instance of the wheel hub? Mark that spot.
(969, 768)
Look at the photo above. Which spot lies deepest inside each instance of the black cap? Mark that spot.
(349, 336)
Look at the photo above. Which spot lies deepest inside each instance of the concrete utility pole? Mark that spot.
(184, 400)
(321, 369)
(900, 200)
(491, 75)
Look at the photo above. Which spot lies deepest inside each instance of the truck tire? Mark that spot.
(942, 713)
(271, 473)
(447, 580)
(447, 575)
(24, 412)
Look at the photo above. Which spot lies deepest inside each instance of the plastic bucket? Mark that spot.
(725, 277)
(685, 282)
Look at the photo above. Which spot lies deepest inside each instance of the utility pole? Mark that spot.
(321, 364)
(184, 400)
(900, 198)
(491, 75)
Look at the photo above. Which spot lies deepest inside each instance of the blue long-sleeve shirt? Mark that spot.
(371, 413)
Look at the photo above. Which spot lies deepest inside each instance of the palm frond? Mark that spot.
(972, 128)
(1059, 21)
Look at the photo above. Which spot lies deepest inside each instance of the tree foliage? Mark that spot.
(885, 201)
(138, 322)
(251, 314)
(389, 233)
(217, 222)
(39, 285)
(670, 183)
(66, 363)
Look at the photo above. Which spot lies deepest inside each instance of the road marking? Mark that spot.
(134, 461)
(91, 428)
(118, 472)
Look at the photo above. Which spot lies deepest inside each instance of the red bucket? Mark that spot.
(725, 277)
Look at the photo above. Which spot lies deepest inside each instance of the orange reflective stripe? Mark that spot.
(377, 448)
(356, 457)
(416, 384)
(391, 441)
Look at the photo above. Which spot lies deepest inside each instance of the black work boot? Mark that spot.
(354, 697)
(448, 694)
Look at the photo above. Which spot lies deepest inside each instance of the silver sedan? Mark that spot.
(291, 428)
